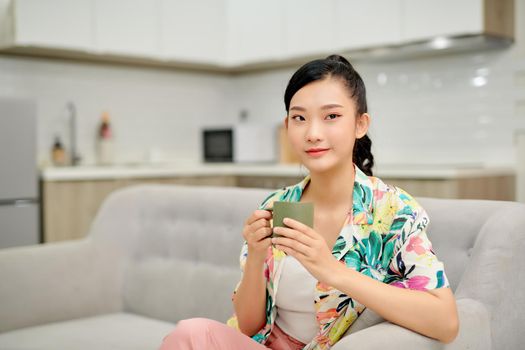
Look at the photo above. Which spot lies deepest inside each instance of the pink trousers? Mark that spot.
(206, 334)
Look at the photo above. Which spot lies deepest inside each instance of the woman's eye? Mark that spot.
(296, 116)
(332, 115)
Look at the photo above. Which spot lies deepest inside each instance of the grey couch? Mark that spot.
(157, 254)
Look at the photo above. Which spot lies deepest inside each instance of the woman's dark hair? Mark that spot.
(336, 66)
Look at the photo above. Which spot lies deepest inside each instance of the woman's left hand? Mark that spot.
(307, 246)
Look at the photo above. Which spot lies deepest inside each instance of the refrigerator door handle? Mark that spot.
(24, 202)
(18, 202)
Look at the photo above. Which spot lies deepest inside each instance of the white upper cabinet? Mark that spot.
(193, 30)
(239, 34)
(126, 27)
(424, 19)
(63, 24)
(309, 27)
(255, 30)
(364, 24)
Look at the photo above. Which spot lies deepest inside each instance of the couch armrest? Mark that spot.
(474, 333)
(474, 326)
(55, 282)
(494, 275)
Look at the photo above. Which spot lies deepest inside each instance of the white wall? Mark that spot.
(423, 110)
(149, 108)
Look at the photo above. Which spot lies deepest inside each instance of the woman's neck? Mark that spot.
(333, 188)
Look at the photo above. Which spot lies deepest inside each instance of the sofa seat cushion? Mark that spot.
(173, 290)
(108, 331)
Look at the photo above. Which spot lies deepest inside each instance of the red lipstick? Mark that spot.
(316, 152)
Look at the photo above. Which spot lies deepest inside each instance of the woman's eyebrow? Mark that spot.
(328, 106)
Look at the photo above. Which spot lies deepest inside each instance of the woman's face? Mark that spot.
(322, 116)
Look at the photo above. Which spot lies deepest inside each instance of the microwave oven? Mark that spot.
(241, 143)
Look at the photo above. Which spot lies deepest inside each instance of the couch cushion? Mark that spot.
(109, 331)
(453, 232)
(173, 290)
(194, 223)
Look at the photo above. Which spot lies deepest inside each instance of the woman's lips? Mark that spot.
(317, 152)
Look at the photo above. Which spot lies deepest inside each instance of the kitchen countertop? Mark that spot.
(408, 171)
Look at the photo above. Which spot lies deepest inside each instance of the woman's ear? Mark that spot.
(286, 122)
(363, 122)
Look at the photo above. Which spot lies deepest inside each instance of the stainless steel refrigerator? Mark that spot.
(19, 189)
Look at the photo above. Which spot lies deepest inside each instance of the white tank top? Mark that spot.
(295, 301)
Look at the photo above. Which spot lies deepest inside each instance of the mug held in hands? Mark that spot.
(299, 211)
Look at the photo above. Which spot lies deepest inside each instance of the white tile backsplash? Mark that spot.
(461, 108)
(423, 110)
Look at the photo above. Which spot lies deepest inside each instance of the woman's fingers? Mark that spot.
(291, 243)
(299, 226)
(260, 223)
(257, 231)
(292, 234)
(258, 214)
(254, 226)
(262, 233)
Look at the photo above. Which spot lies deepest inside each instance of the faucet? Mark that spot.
(75, 158)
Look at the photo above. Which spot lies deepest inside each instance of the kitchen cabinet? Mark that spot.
(364, 24)
(237, 35)
(269, 182)
(497, 187)
(126, 27)
(309, 27)
(255, 31)
(193, 30)
(423, 19)
(69, 207)
(57, 24)
(426, 19)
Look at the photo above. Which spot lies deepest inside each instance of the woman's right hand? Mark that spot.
(249, 301)
(257, 233)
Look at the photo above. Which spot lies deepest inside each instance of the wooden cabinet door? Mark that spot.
(70, 206)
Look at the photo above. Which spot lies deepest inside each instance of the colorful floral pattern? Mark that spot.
(384, 238)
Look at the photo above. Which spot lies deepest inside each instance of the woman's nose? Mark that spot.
(313, 132)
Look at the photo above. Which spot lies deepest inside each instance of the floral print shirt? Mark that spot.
(384, 238)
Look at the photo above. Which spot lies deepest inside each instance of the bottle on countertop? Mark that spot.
(58, 154)
(105, 141)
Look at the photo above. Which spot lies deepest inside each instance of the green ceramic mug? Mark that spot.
(300, 211)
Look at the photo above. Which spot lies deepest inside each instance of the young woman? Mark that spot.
(368, 247)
